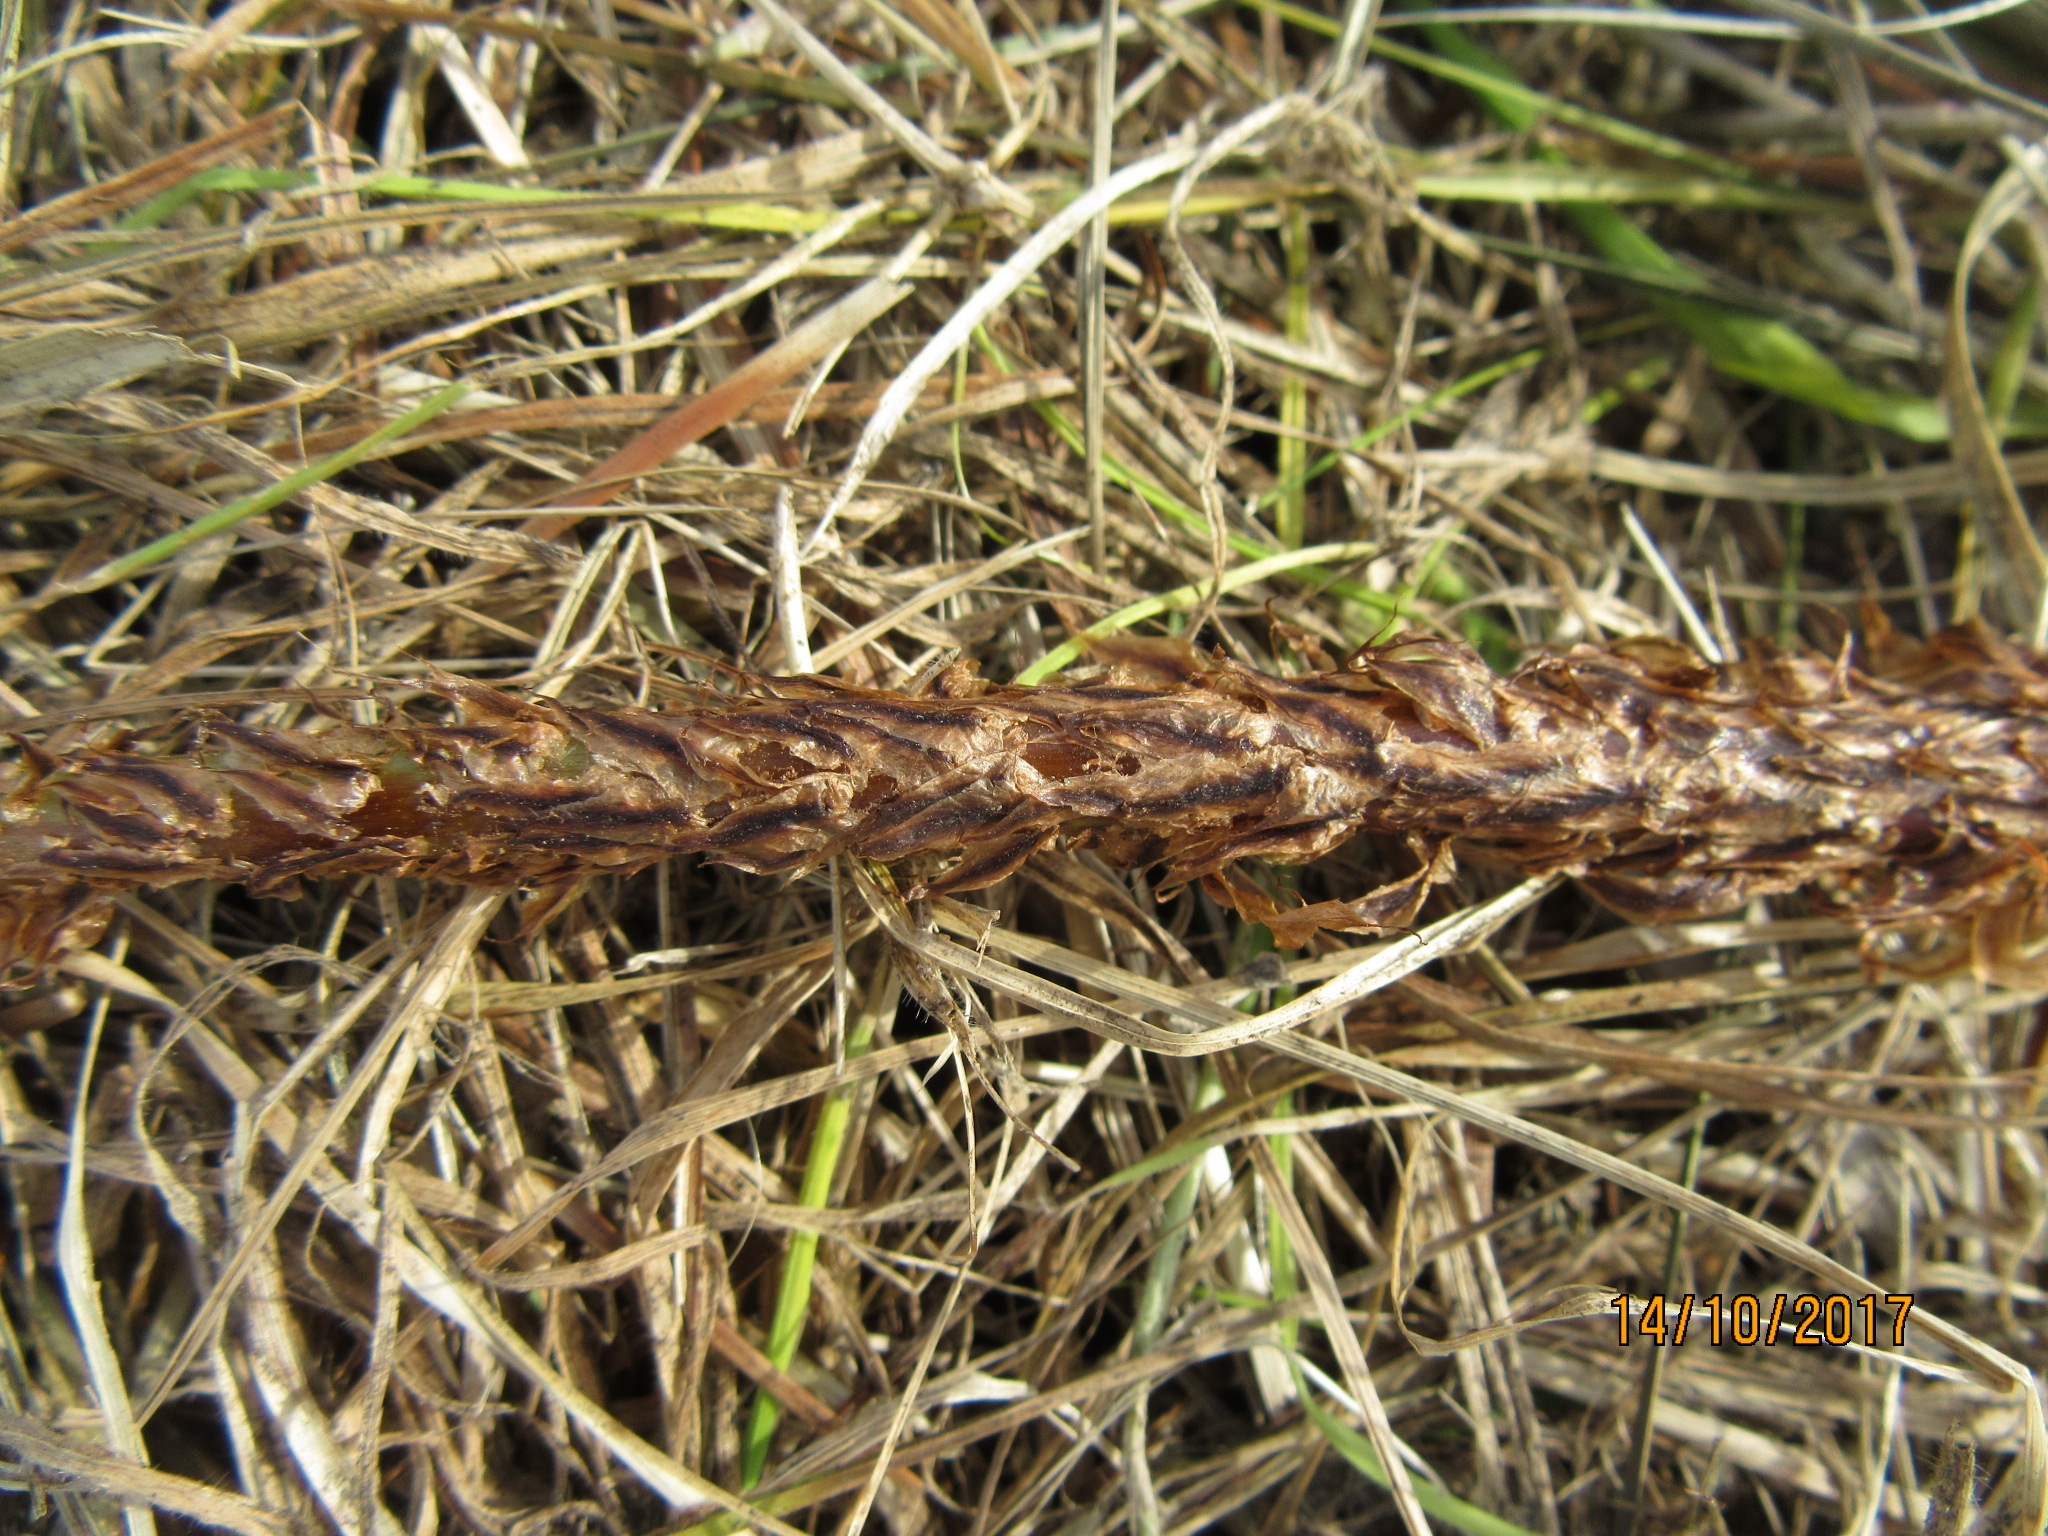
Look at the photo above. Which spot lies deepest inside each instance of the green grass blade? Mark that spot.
(1290, 513)
(755, 217)
(245, 507)
(1436, 1503)
(793, 1292)
(218, 178)
(1457, 389)
(1068, 652)
(1162, 1271)
(1764, 352)
(2009, 364)
(793, 1295)
(1490, 638)
(758, 218)
(1538, 104)
(1558, 181)
(1283, 1273)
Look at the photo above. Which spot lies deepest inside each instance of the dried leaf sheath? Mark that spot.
(1911, 794)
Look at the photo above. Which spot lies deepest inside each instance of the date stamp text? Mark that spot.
(1751, 1319)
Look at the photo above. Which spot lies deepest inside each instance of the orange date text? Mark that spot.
(1751, 1319)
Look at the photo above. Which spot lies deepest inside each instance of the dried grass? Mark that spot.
(381, 1211)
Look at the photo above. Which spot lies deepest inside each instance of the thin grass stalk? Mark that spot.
(275, 494)
(1795, 549)
(793, 1292)
(1283, 1278)
(1191, 596)
(1168, 505)
(82, 1288)
(1290, 512)
(1155, 1298)
(1652, 1380)
(2008, 370)
(1283, 1274)
(1093, 291)
(1436, 1502)
(1162, 1272)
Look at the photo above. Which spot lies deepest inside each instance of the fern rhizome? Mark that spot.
(1908, 792)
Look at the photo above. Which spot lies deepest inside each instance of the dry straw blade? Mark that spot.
(56, 367)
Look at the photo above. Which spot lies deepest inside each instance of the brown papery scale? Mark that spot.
(1908, 794)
